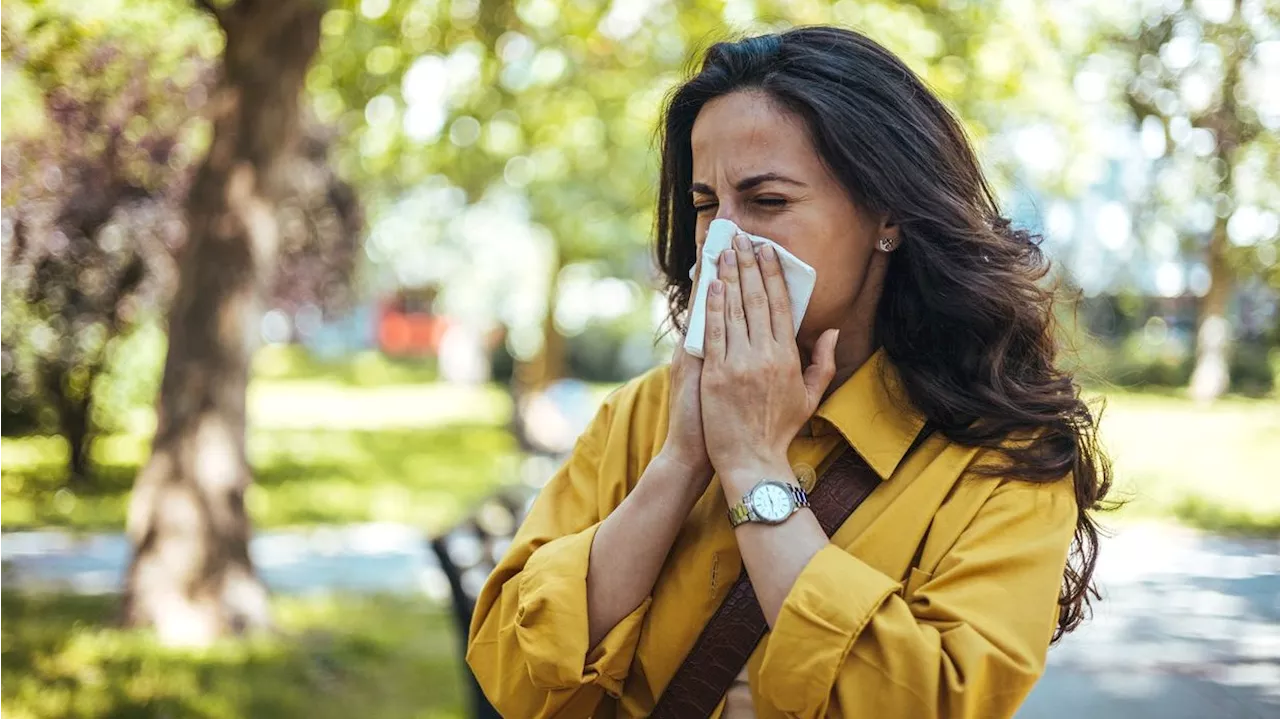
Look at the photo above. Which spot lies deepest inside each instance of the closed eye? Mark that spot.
(702, 207)
(771, 202)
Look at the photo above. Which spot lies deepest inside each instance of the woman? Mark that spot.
(927, 351)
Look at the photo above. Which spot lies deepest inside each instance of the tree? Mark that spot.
(1197, 84)
(555, 105)
(90, 212)
(191, 577)
(104, 127)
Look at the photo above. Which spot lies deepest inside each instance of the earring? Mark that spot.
(887, 244)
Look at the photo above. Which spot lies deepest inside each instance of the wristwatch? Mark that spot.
(769, 502)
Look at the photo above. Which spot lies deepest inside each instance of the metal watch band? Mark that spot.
(798, 493)
(741, 512)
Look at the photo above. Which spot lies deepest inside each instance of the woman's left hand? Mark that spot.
(755, 395)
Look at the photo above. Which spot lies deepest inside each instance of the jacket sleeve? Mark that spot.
(528, 639)
(969, 640)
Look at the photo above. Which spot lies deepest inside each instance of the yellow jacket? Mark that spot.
(937, 598)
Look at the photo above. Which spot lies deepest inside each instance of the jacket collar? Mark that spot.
(873, 414)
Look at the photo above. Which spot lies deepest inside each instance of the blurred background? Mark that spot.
(403, 247)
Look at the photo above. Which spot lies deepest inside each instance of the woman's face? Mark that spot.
(754, 164)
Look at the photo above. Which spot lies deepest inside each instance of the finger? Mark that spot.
(755, 301)
(735, 319)
(713, 342)
(823, 367)
(775, 286)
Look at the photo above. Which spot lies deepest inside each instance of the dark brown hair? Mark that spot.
(966, 315)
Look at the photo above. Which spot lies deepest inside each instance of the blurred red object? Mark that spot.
(408, 326)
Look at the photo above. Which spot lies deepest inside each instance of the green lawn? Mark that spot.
(333, 658)
(322, 452)
(1213, 467)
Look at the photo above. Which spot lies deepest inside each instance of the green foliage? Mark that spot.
(613, 351)
(105, 126)
(106, 140)
(1196, 511)
(1198, 80)
(1137, 362)
(377, 657)
(551, 108)
(574, 89)
(125, 392)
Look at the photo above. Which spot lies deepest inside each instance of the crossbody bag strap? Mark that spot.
(729, 638)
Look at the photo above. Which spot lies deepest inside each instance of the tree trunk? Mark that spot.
(74, 418)
(1211, 376)
(73, 423)
(530, 377)
(549, 364)
(191, 577)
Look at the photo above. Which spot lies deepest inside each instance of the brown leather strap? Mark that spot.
(729, 638)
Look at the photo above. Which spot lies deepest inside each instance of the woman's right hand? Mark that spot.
(685, 445)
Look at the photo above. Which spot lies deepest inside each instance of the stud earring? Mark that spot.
(887, 244)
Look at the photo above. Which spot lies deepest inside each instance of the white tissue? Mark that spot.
(800, 280)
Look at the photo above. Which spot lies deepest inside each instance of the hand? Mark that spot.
(685, 445)
(755, 397)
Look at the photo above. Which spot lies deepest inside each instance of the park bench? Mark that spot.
(467, 554)
(546, 427)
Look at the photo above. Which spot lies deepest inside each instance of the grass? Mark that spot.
(425, 477)
(376, 657)
(368, 368)
(321, 452)
(1212, 467)
(328, 444)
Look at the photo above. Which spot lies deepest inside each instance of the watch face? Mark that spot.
(771, 502)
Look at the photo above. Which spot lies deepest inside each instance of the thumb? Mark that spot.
(822, 368)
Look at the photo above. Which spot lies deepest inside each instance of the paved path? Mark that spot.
(1189, 626)
(376, 557)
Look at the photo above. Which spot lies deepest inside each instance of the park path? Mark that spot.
(1189, 626)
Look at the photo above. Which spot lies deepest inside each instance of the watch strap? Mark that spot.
(799, 494)
(741, 513)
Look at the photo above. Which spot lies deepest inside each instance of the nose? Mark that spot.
(727, 211)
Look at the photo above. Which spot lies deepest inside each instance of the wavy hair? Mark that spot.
(966, 314)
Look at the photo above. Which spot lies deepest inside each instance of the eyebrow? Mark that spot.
(748, 182)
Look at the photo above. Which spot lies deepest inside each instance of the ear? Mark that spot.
(889, 227)
(888, 238)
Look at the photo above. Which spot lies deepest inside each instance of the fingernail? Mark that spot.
(741, 241)
(730, 258)
(716, 287)
(767, 253)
